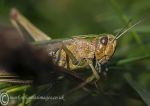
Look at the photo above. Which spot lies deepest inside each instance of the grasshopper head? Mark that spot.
(105, 47)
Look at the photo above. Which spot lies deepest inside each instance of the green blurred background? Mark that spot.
(66, 18)
(61, 18)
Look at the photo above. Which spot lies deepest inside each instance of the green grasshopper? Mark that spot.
(77, 52)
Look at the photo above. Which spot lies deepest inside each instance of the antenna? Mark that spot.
(124, 30)
(125, 27)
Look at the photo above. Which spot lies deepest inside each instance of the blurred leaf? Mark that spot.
(144, 94)
(144, 29)
(17, 89)
(133, 59)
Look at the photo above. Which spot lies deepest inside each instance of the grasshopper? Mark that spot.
(79, 51)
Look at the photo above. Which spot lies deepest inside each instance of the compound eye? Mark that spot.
(104, 40)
